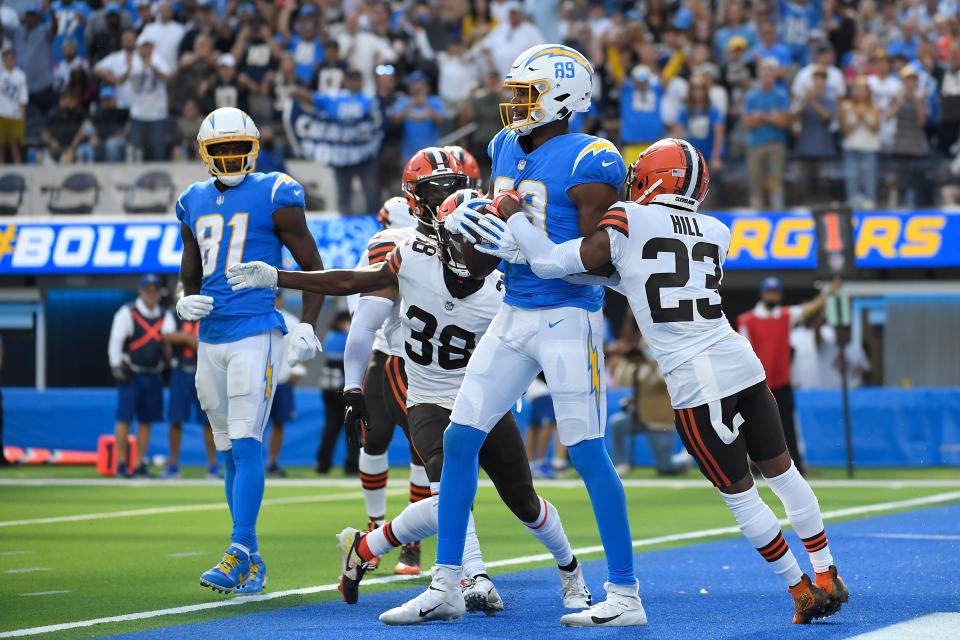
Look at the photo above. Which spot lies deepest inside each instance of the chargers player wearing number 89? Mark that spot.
(443, 312)
(240, 214)
(669, 263)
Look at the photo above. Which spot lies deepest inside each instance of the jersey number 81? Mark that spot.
(209, 234)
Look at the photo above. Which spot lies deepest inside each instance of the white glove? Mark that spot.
(304, 344)
(194, 307)
(252, 275)
(474, 206)
(492, 236)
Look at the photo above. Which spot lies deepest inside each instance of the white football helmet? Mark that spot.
(558, 81)
(224, 126)
(395, 214)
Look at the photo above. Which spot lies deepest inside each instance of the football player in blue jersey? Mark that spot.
(563, 182)
(236, 215)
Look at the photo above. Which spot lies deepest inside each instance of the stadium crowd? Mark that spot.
(792, 102)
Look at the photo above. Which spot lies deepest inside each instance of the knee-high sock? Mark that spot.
(229, 474)
(458, 488)
(417, 522)
(247, 491)
(760, 527)
(592, 461)
(548, 530)
(419, 483)
(803, 512)
(373, 479)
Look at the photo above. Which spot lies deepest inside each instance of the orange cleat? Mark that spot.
(374, 562)
(809, 601)
(409, 562)
(837, 591)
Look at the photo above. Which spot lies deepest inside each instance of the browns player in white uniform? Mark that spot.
(668, 261)
(444, 312)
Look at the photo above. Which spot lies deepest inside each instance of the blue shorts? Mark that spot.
(183, 398)
(282, 410)
(541, 411)
(141, 398)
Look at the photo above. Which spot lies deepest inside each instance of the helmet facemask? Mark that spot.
(526, 98)
(230, 158)
(451, 251)
(429, 193)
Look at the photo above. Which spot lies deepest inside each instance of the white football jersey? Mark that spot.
(387, 339)
(670, 263)
(439, 330)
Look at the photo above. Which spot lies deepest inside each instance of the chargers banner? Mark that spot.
(121, 245)
(768, 241)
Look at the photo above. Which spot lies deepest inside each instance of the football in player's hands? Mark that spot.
(506, 203)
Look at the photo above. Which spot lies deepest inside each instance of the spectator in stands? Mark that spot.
(835, 88)
(510, 38)
(641, 120)
(72, 19)
(702, 124)
(283, 409)
(331, 385)
(798, 19)
(814, 115)
(483, 109)
(136, 359)
(860, 123)
(107, 128)
(364, 50)
(165, 33)
(421, 115)
(885, 88)
(458, 76)
(331, 72)
(69, 61)
(305, 45)
(766, 118)
(13, 105)
(767, 326)
(188, 123)
(64, 130)
(257, 55)
(147, 73)
(816, 355)
(195, 77)
(225, 91)
(949, 130)
(770, 47)
(115, 66)
(105, 29)
(910, 147)
(736, 25)
(33, 42)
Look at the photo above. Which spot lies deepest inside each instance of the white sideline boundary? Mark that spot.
(643, 542)
(205, 506)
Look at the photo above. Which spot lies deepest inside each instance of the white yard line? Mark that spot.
(915, 536)
(934, 625)
(22, 552)
(206, 506)
(28, 570)
(643, 542)
(46, 593)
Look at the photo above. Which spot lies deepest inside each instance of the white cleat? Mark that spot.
(622, 608)
(574, 589)
(443, 600)
(479, 594)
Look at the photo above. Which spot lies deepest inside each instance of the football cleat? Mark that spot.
(836, 590)
(409, 562)
(479, 594)
(171, 472)
(214, 472)
(373, 563)
(443, 600)
(809, 601)
(141, 471)
(229, 573)
(353, 565)
(276, 471)
(574, 589)
(622, 608)
(257, 580)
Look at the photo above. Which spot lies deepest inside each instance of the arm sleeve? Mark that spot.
(548, 260)
(369, 316)
(120, 330)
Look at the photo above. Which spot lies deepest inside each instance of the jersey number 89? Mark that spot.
(210, 233)
(534, 195)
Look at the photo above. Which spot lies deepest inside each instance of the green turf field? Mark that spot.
(142, 546)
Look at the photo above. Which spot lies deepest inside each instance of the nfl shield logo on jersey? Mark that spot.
(521, 164)
(449, 305)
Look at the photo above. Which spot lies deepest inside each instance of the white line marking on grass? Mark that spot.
(185, 554)
(28, 570)
(934, 625)
(22, 552)
(531, 559)
(206, 506)
(46, 593)
(913, 536)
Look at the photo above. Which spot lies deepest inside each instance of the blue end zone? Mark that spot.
(890, 580)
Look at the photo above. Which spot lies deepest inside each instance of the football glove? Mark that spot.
(304, 344)
(251, 275)
(194, 307)
(355, 417)
(492, 236)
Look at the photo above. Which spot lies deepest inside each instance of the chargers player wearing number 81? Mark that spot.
(563, 182)
(240, 214)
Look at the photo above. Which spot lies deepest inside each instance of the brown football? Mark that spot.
(480, 264)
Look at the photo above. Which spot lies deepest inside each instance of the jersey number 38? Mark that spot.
(450, 355)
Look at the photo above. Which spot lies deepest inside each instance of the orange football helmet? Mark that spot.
(468, 163)
(671, 171)
(430, 176)
(450, 244)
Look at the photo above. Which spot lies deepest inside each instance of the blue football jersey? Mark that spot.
(543, 177)
(234, 226)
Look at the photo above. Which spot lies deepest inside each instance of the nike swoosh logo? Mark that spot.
(424, 614)
(553, 324)
(607, 164)
(597, 620)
